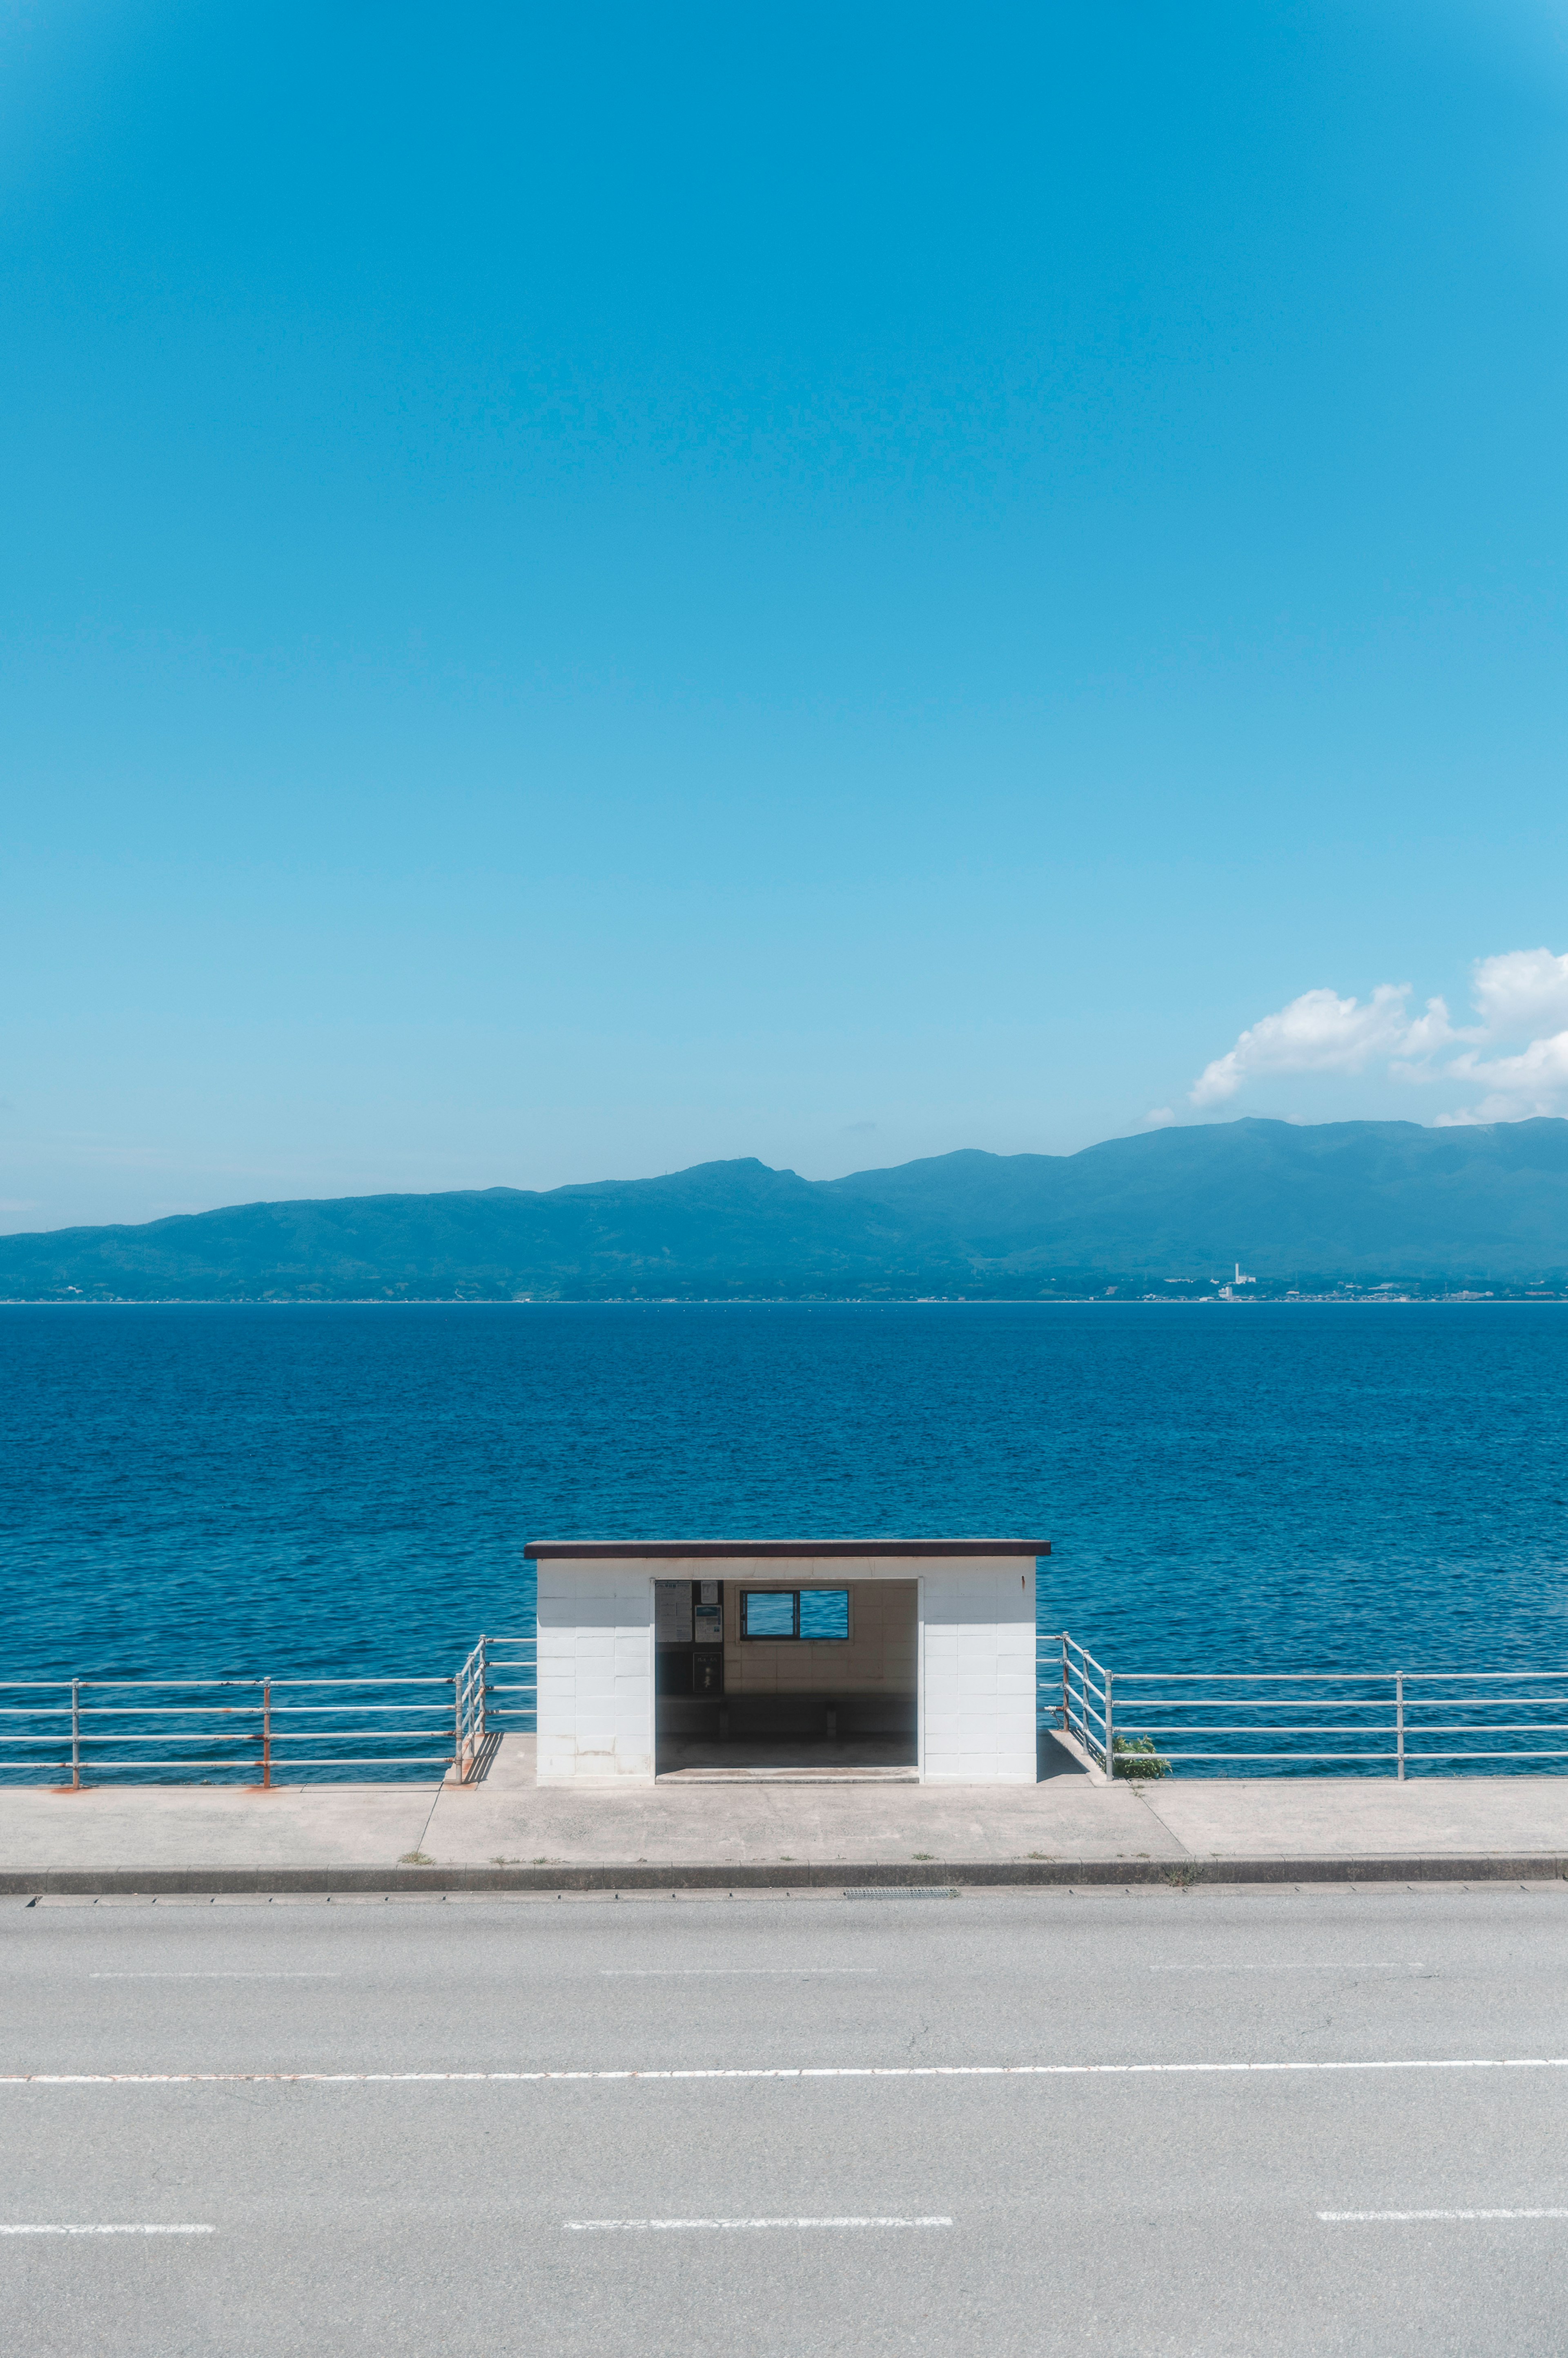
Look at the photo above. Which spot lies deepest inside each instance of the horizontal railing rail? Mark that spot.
(512, 1683)
(70, 1732)
(1145, 1723)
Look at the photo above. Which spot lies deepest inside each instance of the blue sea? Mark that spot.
(208, 1490)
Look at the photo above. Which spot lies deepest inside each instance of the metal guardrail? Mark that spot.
(1384, 1722)
(467, 1715)
(258, 1731)
(511, 1672)
(262, 1730)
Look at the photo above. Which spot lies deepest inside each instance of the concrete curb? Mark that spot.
(124, 1882)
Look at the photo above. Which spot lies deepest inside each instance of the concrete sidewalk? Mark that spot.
(505, 1830)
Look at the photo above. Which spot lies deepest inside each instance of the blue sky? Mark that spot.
(584, 591)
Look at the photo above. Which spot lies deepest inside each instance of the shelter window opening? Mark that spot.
(811, 1616)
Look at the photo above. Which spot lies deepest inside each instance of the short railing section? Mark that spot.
(266, 1731)
(511, 1683)
(1280, 1722)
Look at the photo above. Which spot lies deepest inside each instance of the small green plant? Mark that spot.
(923, 1853)
(1134, 1755)
(415, 1858)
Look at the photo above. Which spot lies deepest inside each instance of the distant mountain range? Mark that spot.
(1354, 1200)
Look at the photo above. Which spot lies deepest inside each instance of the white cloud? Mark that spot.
(1160, 1117)
(1521, 991)
(1321, 1032)
(1519, 996)
(1429, 1033)
(1535, 1081)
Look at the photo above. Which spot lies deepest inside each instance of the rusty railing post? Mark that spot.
(266, 1735)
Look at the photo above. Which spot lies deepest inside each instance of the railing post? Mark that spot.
(1400, 1723)
(1110, 1737)
(458, 1727)
(266, 1735)
(1067, 1696)
(76, 1736)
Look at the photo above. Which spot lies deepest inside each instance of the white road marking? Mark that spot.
(1349, 1966)
(666, 2226)
(776, 2072)
(1340, 2217)
(215, 1977)
(667, 1972)
(106, 2231)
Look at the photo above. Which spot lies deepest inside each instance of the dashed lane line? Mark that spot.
(184, 2229)
(1345, 2218)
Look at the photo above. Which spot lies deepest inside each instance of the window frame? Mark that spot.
(794, 1638)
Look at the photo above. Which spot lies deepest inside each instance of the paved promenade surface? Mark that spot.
(1271, 2121)
(1068, 1816)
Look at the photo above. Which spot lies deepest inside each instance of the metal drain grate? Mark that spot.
(904, 1891)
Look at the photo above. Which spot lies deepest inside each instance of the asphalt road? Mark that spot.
(1147, 2212)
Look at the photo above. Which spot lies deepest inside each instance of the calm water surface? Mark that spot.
(211, 1490)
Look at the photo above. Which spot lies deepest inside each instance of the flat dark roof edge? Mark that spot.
(685, 1549)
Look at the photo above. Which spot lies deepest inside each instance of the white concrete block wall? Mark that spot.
(596, 1671)
(978, 1684)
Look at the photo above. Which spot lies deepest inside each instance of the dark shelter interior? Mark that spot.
(786, 1679)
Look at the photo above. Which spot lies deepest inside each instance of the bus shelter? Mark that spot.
(788, 1660)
